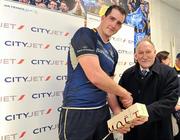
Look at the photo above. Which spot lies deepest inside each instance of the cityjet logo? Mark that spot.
(13, 136)
(130, 42)
(18, 79)
(125, 63)
(62, 48)
(44, 95)
(49, 31)
(122, 40)
(122, 63)
(61, 77)
(21, 44)
(12, 98)
(45, 129)
(125, 52)
(48, 62)
(26, 115)
(119, 39)
(11, 61)
(131, 63)
(12, 26)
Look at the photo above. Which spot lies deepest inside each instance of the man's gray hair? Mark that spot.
(146, 39)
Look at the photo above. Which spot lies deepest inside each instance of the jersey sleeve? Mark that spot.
(84, 41)
(115, 60)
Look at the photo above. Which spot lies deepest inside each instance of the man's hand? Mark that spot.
(123, 130)
(126, 100)
(138, 121)
(177, 107)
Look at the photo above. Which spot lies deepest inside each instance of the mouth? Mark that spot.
(111, 29)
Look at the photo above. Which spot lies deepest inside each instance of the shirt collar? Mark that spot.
(144, 69)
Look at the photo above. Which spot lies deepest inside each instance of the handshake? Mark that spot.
(136, 112)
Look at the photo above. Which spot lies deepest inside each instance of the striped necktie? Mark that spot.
(144, 72)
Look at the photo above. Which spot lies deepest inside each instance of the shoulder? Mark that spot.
(83, 33)
(167, 69)
(127, 75)
(83, 30)
(164, 71)
(129, 71)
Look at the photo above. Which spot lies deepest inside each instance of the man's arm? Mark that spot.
(113, 104)
(95, 74)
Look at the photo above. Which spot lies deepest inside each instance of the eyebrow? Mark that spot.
(119, 22)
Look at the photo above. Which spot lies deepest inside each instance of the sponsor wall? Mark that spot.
(33, 48)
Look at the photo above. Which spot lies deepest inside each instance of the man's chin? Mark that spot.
(145, 66)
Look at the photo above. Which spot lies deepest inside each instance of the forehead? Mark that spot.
(117, 14)
(145, 45)
(63, 3)
(53, 2)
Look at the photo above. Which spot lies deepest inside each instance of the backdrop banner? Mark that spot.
(33, 45)
(33, 49)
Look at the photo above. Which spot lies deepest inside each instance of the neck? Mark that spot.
(102, 35)
(142, 68)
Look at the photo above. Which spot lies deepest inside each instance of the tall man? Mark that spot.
(91, 63)
(157, 89)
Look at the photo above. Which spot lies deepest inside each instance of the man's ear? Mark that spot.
(135, 57)
(155, 51)
(102, 17)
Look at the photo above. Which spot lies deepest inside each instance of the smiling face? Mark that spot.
(110, 24)
(145, 54)
(52, 5)
(63, 7)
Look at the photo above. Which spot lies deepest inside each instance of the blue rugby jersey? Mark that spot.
(79, 91)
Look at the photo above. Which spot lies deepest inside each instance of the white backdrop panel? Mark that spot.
(33, 45)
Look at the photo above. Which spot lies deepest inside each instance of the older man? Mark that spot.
(156, 88)
(177, 64)
(177, 113)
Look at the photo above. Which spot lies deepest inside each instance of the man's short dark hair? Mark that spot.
(162, 55)
(117, 7)
(178, 56)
